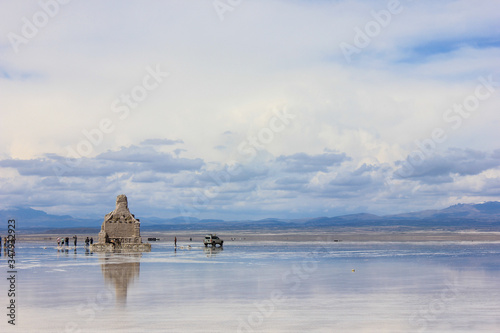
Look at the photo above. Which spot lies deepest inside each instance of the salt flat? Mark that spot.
(260, 286)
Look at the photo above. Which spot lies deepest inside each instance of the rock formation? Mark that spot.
(120, 230)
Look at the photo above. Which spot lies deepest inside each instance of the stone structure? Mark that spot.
(120, 230)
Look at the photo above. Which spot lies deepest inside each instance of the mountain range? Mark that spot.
(484, 216)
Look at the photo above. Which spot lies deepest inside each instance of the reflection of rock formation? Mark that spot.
(120, 230)
(121, 271)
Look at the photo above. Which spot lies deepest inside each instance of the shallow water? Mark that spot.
(258, 287)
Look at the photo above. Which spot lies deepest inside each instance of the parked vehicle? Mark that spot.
(212, 239)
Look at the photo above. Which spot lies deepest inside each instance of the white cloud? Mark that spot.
(226, 78)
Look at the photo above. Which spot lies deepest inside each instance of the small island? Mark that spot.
(120, 230)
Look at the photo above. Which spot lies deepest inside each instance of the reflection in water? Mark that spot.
(264, 287)
(211, 251)
(61, 250)
(120, 270)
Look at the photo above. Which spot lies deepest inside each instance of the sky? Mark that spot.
(248, 109)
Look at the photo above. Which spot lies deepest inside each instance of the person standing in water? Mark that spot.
(175, 241)
(75, 238)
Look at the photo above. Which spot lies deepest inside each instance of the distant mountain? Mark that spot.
(485, 216)
(461, 216)
(489, 211)
(358, 217)
(28, 218)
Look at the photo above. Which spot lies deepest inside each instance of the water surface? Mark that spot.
(258, 287)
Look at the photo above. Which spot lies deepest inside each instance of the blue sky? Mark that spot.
(250, 112)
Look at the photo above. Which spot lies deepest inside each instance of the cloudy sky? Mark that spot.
(249, 109)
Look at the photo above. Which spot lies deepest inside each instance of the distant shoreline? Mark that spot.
(299, 236)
